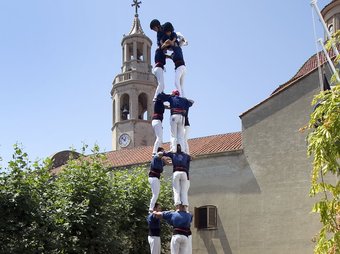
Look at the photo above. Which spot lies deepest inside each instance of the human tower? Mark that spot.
(169, 46)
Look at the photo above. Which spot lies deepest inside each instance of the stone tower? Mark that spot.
(331, 15)
(132, 92)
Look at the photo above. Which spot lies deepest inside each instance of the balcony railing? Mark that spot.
(133, 75)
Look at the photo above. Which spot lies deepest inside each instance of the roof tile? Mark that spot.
(198, 147)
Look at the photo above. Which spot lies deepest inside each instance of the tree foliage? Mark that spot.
(324, 147)
(86, 208)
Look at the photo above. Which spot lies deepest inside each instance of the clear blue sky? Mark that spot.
(58, 59)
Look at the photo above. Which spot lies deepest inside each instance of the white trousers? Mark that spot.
(177, 131)
(155, 187)
(179, 79)
(159, 73)
(155, 244)
(158, 129)
(186, 136)
(179, 244)
(180, 186)
(190, 244)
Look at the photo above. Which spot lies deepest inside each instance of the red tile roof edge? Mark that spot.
(200, 147)
(298, 76)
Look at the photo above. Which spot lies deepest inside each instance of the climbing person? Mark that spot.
(180, 176)
(186, 131)
(178, 106)
(171, 43)
(160, 58)
(157, 119)
(180, 220)
(154, 231)
(156, 168)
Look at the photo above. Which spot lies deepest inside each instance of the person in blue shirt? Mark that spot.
(157, 119)
(169, 37)
(171, 43)
(186, 132)
(156, 168)
(180, 220)
(180, 176)
(160, 57)
(180, 69)
(178, 107)
(156, 26)
(154, 225)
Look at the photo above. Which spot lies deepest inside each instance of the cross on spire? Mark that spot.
(136, 3)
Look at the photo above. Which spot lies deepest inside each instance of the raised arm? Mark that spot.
(163, 97)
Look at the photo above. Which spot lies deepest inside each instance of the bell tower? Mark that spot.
(133, 90)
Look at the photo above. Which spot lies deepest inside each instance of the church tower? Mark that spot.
(331, 15)
(133, 90)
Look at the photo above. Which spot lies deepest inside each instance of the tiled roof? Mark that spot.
(326, 7)
(309, 66)
(198, 147)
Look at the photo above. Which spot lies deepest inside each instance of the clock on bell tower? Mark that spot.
(133, 90)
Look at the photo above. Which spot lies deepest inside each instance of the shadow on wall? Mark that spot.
(209, 237)
(233, 175)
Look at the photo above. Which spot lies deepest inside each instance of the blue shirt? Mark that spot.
(156, 167)
(160, 59)
(176, 102)
(160, 35)
(177, 56)
(154, 225)
(158, 110)
(180, 160)
(170, 37)
(157, 164)
(178, 219)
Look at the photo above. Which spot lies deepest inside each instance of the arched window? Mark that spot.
(140, 55)
(142, 106)
(129, 52)
(114, 112)
(125, 107)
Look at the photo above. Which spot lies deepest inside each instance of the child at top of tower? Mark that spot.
(156, 26)
(171, 43)
(158, 69)
(169, 38)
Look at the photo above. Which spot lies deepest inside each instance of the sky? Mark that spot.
(58, 60)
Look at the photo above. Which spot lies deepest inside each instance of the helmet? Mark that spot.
(154, 22)
(175, 92)
(167, 27)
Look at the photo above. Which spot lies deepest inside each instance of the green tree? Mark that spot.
(86, 208)
(26, 226)
(324, 147)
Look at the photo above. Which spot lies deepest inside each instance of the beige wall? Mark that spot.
(261, 193)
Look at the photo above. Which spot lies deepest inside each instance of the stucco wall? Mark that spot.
(261, 193)
(221, 181)
(276, 153)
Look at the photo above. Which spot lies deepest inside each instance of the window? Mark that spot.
(124, 107)
(142, 106)
(114, 112)
(206, 217)
(140, 52)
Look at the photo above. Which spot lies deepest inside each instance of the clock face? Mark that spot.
(124, 140)
(331, 28)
